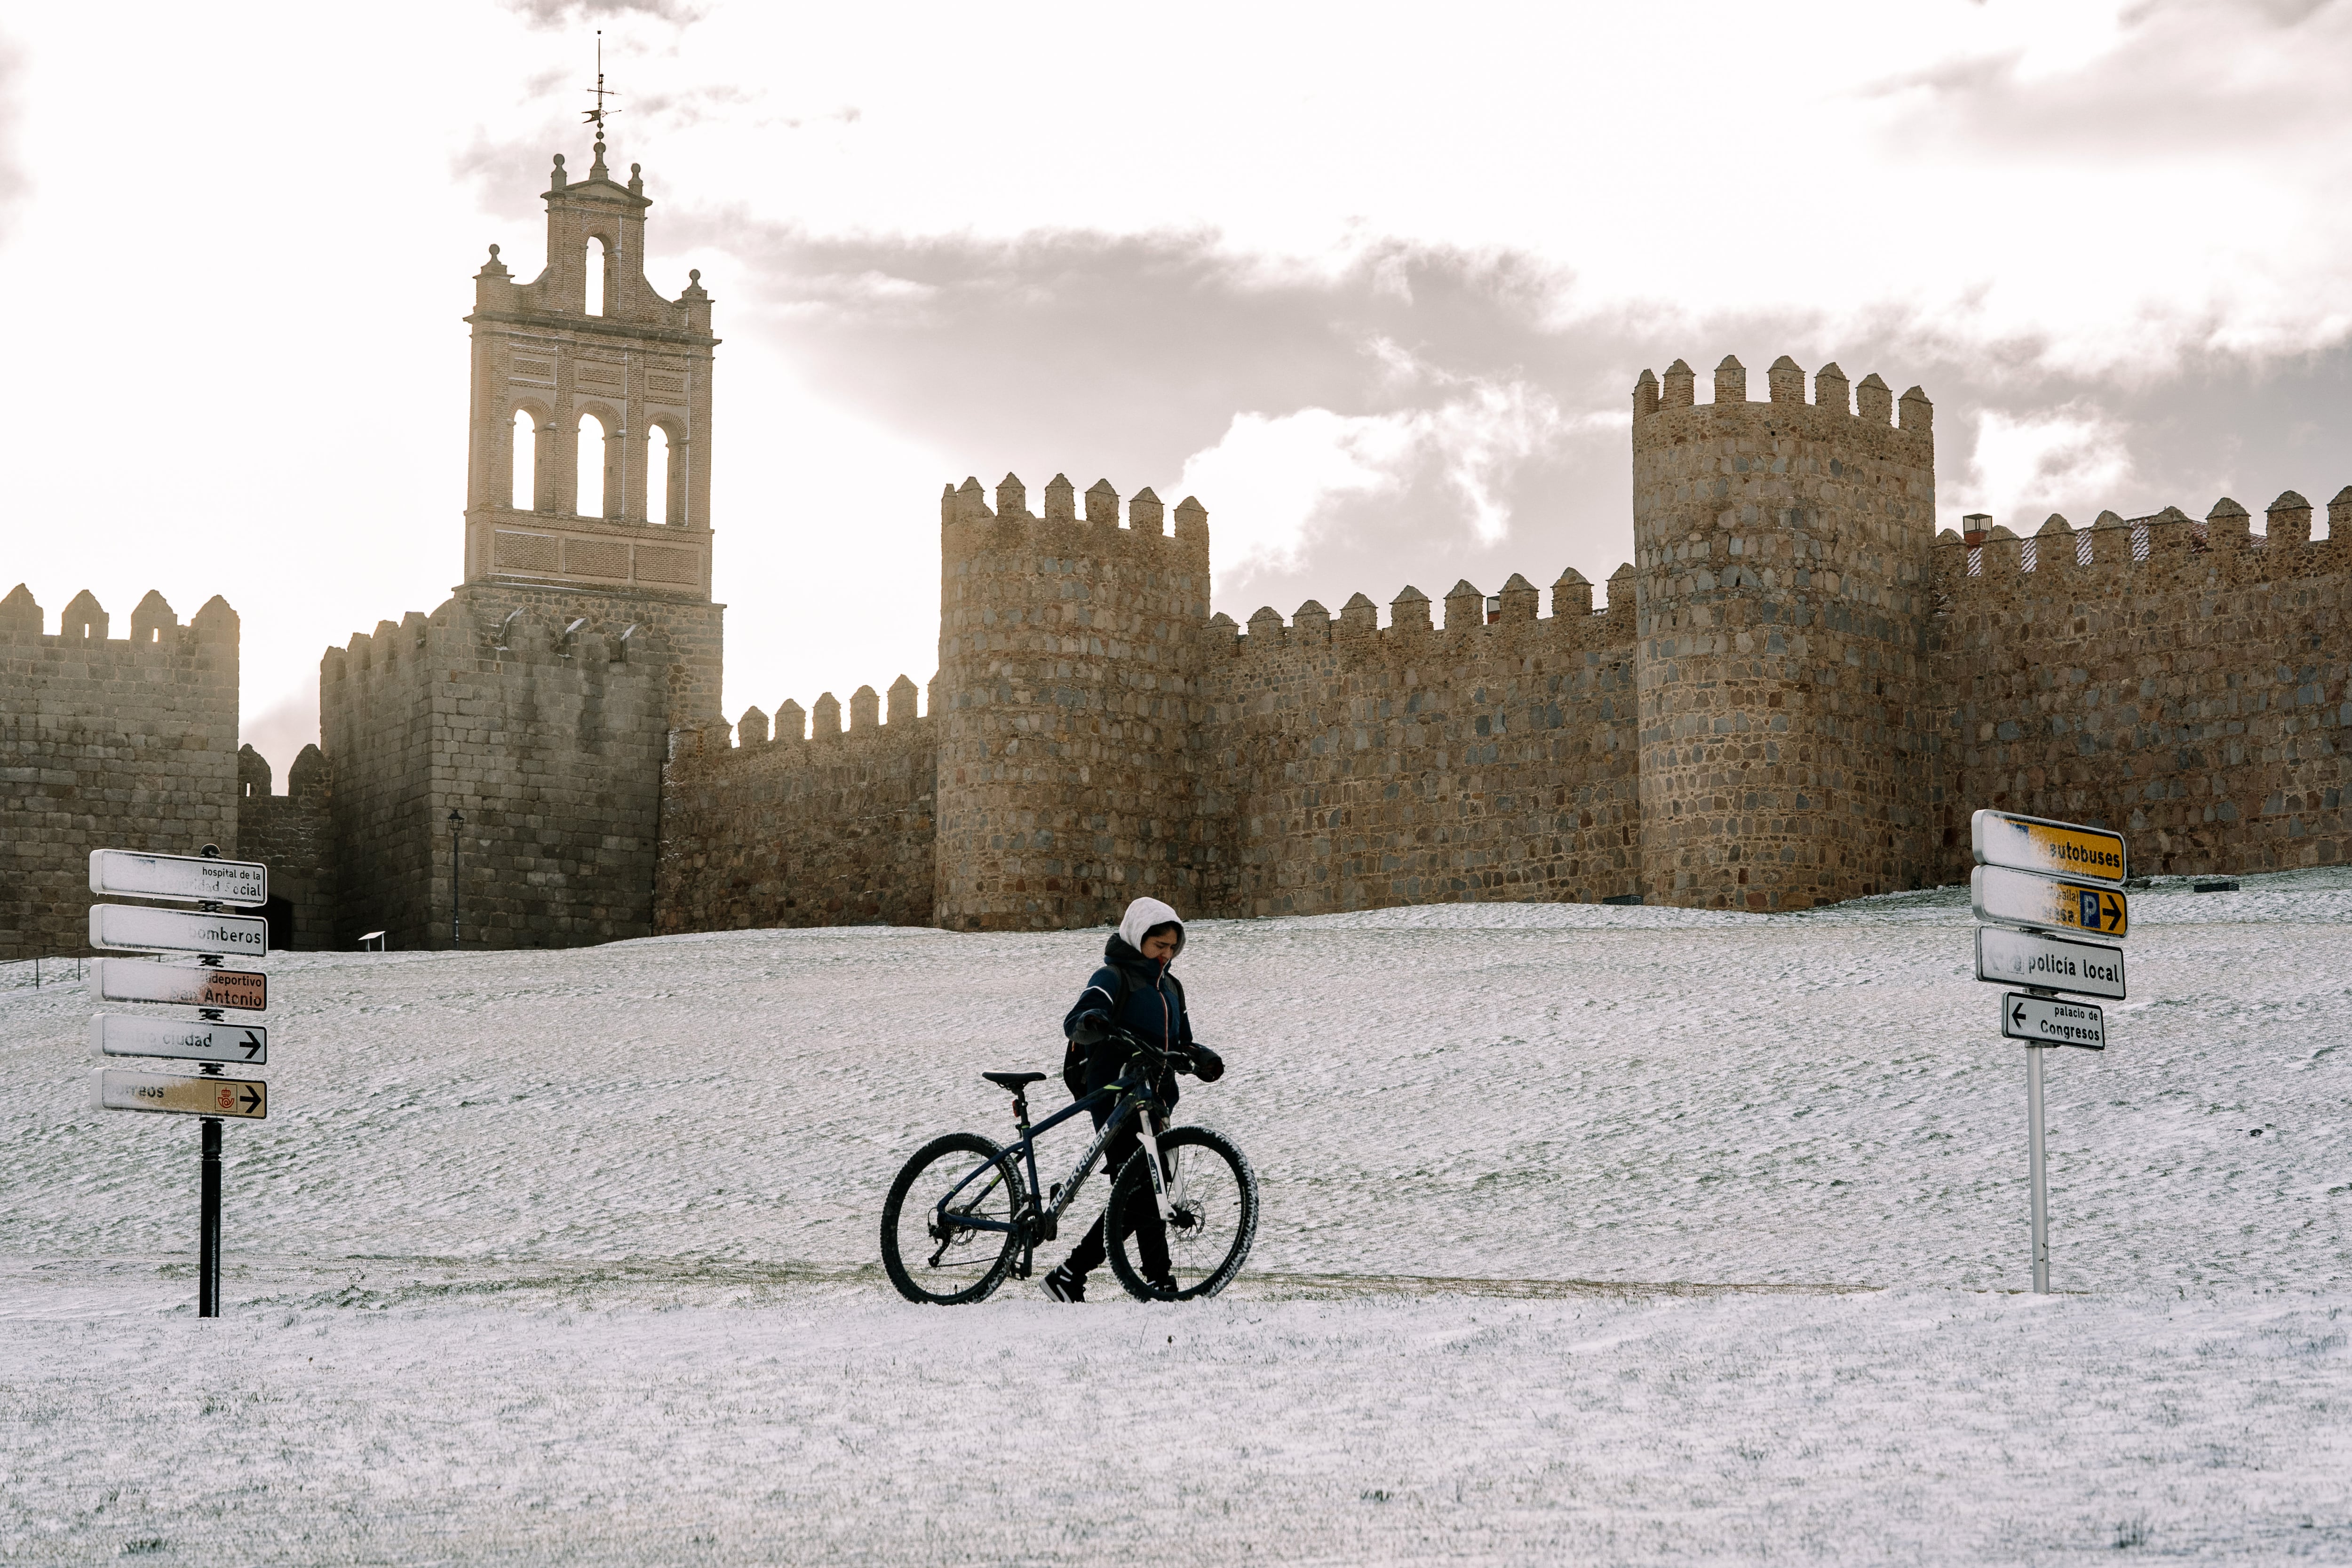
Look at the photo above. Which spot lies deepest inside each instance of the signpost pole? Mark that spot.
(2038, 1174)
(208, 1223)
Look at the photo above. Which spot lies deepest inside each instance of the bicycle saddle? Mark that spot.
(1015, 1081)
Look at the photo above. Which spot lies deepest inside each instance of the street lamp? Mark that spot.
(456, 825)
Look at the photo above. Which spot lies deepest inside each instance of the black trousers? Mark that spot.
(1142, 1219)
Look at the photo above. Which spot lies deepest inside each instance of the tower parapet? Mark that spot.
(1070, 775)
(1783, 553)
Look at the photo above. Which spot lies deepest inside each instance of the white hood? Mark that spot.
(1141, 915)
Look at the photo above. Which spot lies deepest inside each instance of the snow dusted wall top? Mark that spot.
(107, 743)
(2186, 683)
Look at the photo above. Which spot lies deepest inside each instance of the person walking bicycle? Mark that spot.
(1132, 995)
(967, 1211)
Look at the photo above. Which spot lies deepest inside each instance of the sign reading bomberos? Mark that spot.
(136, 928)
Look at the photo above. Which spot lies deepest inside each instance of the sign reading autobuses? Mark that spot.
(2047, 848)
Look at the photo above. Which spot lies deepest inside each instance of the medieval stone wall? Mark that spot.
(546, 733)
(122, 743)
(1782, 552)
(1074, 775)
(1399, 765)
(800, 830)
(2186, 683)
(293, 834)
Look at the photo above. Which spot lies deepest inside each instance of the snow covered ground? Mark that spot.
(1621, 1235)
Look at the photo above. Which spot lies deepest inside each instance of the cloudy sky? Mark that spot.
(1373, 282)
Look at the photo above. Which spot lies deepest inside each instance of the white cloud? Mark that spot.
(2024, 468)
(1270, 479)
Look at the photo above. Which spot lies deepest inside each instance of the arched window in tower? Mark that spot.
(661, 501)
(597, 490)
(600, 279)
(522, 484)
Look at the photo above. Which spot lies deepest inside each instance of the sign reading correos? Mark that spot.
(127, 874)
(137, 929)
(114, 1088)
(2020, 898)
(2047, 848)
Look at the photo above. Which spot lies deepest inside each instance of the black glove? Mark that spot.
(1089, 1028)
(1206, 1065)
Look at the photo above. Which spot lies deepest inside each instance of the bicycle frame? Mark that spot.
(1038, 1223)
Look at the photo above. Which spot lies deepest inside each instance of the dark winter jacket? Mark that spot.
(1129, 992)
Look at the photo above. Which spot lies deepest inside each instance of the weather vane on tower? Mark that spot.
(596, 116)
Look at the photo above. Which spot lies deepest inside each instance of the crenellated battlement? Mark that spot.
(1870, 404)
(83, 626)
(2117, 552)
(966, 506)
(1508, 616)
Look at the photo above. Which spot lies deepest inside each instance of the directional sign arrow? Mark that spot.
(248, 1097)
(146, 1035)
(2049, 903)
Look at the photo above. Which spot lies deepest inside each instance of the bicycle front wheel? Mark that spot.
(1213, 1193)
(932, 1247)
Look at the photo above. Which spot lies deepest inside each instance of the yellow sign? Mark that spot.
(2022, 899)
(117, 1089)
(2048, 848)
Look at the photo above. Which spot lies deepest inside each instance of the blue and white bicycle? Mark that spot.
(962, 1216)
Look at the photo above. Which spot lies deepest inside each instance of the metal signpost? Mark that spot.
(2041, 887)
(209, 882)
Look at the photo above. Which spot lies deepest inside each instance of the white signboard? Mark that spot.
(137, 929)
(2052, 903)
(2052, 962)
(142, 980)
(144, 1034)
(2046, 1021)
(127, 874)
(114, 1088)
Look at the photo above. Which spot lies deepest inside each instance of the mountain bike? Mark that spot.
(962, 1216)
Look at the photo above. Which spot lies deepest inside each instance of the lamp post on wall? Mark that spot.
(457, 826)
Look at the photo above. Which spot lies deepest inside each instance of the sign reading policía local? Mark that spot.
(115, 1089)
(191, 878)
(2051, 963)
(146, 1035)
(2047, 848)
(2020, 898)
(137, 929)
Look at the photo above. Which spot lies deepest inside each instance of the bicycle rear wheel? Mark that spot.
(931, 1254)
(1213, 1192)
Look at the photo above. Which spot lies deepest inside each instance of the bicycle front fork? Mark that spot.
(1159, 1179)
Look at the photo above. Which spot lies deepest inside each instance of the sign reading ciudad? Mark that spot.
(211, 935)
(2041, 891)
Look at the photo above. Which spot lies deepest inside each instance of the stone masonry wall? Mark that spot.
(1782, 551)
(1074, 772)
(293, 834)
(126, 743)
(2186, 683)
(1404, 764)
(837, 829)
(546, 734)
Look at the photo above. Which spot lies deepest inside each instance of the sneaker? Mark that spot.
(1165, 1284)
(1064, 1286)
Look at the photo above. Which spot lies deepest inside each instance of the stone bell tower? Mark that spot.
(587, 355)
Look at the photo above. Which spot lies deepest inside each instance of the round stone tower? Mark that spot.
(1066, 707)
(1781, 612)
